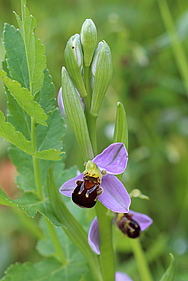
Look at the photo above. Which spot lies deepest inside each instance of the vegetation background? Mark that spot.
(148, 80)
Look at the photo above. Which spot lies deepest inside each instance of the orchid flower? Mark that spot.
(98, 181)
(133, 223)
(130, 224)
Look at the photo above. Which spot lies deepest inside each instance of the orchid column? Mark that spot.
(84, 83)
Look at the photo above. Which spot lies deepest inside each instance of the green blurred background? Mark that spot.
(148, 81)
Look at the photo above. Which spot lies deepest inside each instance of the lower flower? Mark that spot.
(131, 224)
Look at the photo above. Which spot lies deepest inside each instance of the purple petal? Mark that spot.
(68, 187)
(143, 220)
(93, 236)
(121, 276)
(115, 197)
(60, 103)
(113, 159)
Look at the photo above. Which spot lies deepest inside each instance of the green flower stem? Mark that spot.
(91, 120)
(141, 261)
(105, 221)
(87, 79)
(106, 248)
(56, 242)
(177, 48)
(92, 127)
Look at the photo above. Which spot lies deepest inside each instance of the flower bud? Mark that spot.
(102, 73)
(138, 193)
(121, 126)
(74, 62)
(89, 40)
(75, 114)
(61, 103)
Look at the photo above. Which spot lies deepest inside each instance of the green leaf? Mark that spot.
(46, 248)
(169, 274)
(36, 59)
(15, 114)
(46, 96)
(6, 201)
(30, 204)
(24, 99)
(46, 270)
(62, 175)
(50, 154)
(25, 178)
(52, 135)
(39, 67)
(15, 55)
(19, 118)
(8, 131)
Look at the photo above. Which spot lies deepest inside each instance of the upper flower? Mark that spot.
(130, 224)
(98, 181)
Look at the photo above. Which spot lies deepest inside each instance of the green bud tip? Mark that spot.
(89, 40)
(102, 73)
(74, 49)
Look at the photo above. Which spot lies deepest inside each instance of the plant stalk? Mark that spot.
(56, 242)
(141, 261)
(91, 120)
(106, 248)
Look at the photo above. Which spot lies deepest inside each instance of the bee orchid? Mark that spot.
(98, 181)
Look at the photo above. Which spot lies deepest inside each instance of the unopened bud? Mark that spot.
(121, 126)
(89, 40)
(75, 114)
(74, 62)
(138, 193)
(61, 103)
(102, 74)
